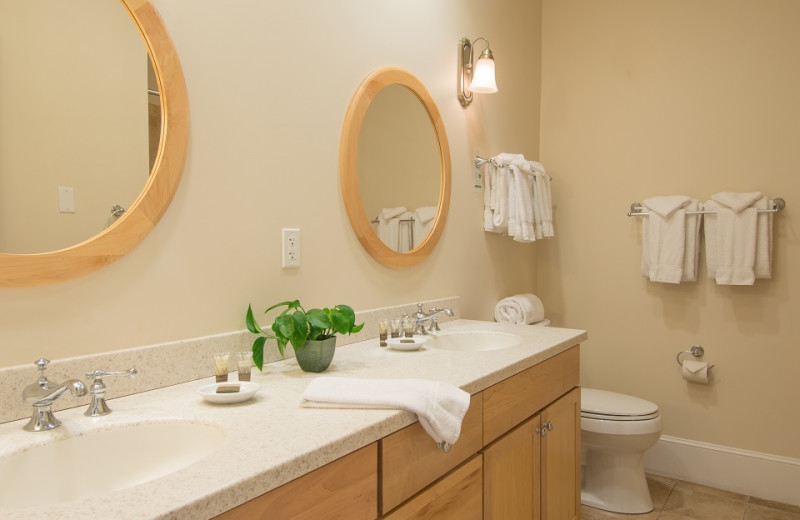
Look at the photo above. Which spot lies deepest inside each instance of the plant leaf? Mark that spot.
(258, 351)
(252, 326)
(300, 331)
(317, 318)
(281, 304)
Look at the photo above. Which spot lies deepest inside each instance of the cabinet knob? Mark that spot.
(546, 427)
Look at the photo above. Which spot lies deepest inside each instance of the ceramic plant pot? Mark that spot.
(316, 355)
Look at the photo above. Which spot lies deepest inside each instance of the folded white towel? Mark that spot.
(519, 309)
(389, 228)
(390, 213)
(520, 196)
(731, 236)
(523, 193)
(543, 206)
(691, 253)
(423, 220)
(763, 267)
(495, 200)
(664, 238)
(439, 406)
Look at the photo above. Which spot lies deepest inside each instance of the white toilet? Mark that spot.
(616, 430)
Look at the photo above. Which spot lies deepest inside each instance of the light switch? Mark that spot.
(66, 199)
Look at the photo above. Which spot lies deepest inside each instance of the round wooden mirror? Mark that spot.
(144, 212)
(394, 154)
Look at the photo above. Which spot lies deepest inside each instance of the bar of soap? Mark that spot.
(407, 341)
(228, 389)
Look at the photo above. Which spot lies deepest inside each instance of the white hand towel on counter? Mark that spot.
(731, 236)
(519, 309)
(664, 238)
(439, 406)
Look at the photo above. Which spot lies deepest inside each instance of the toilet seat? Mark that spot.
(611, 406)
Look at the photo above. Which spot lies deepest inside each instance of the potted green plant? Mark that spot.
(312, 333)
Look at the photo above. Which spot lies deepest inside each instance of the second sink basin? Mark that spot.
(101, 462)
(472, 341)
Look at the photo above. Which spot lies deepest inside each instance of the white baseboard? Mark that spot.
(742, 471)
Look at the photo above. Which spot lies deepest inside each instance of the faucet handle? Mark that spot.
(42, 364)
(100, 374)
(98, 406)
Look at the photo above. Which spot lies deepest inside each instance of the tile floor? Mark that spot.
(679, 500)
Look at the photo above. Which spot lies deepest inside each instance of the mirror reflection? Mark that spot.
(80, 123)
(398, 168)
(394, 165)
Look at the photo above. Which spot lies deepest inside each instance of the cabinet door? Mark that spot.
(511, 468)
(560, 484)
(455, 497)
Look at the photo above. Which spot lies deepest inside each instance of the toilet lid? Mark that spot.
(611, 406)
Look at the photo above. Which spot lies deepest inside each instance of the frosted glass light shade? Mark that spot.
(483, 81)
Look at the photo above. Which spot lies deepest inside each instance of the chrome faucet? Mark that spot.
(420, 317)
(98, 406)
(42, 394)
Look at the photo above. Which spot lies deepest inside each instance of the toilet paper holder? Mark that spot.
(697, 351)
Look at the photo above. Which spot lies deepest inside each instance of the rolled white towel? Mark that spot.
(519, 309)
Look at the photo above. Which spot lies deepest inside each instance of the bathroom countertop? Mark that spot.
(270, 439)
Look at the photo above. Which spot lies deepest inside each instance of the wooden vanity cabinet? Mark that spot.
(518, 458)
(345, 489)
(532, 432)
(533, 471)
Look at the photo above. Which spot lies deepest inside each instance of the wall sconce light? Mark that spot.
(479, 78)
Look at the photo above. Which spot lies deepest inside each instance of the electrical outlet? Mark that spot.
(290, 247)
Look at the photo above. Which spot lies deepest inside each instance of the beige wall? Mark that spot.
(648, 98)
(73, 77)
(269, 84)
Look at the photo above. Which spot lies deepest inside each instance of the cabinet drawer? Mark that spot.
(513, 400)
(456, 497)
(345, 489)
(410, 459)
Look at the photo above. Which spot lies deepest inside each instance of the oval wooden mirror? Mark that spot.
(144, 212)
(393, 115)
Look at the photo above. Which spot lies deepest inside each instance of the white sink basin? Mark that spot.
(473, 341)
(101, 462)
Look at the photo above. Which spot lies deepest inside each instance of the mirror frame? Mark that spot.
(348, 168)
(21, 270)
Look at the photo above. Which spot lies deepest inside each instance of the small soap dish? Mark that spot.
(246, 391)
(412, 343)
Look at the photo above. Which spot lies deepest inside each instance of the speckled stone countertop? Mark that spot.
(270, 439)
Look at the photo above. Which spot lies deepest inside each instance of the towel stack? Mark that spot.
(738, 239)
(517, 198)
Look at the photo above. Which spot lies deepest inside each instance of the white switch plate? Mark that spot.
(290, 247)
(66, 199)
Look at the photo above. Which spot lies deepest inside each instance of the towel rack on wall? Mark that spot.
(480, 161)
(376, 220)
(638, 211)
